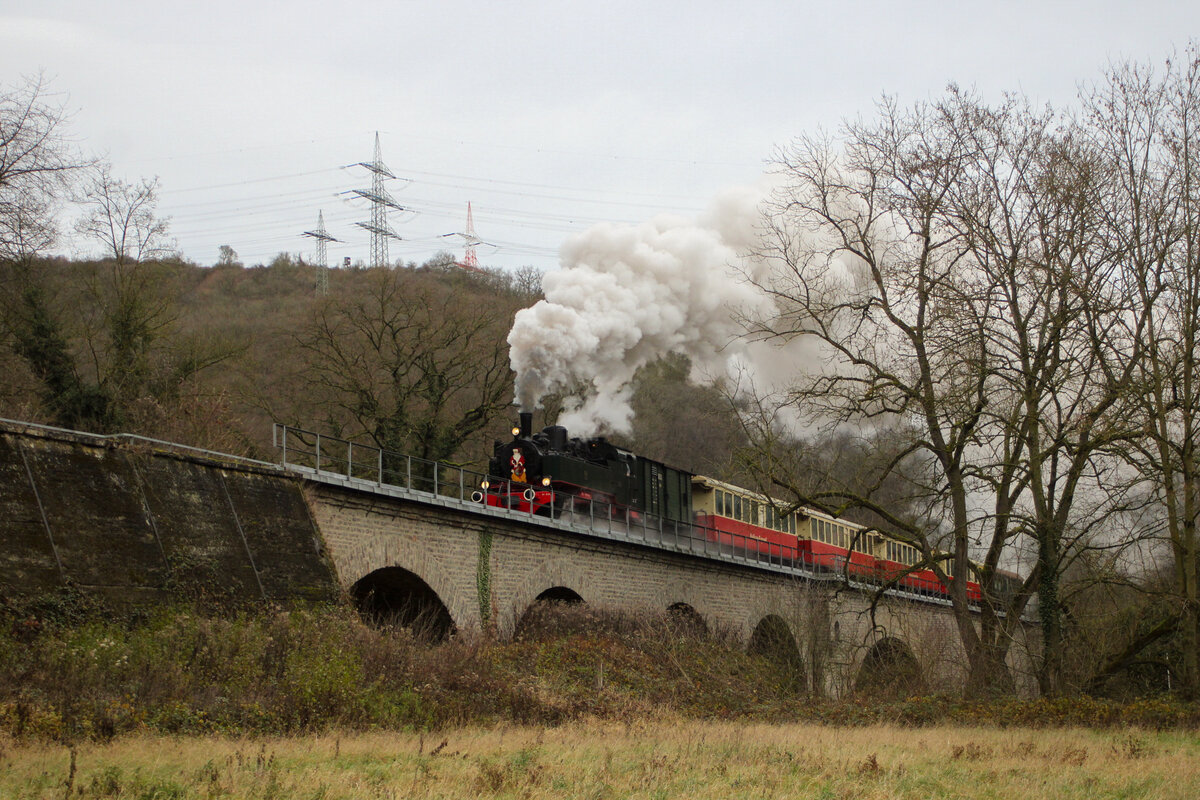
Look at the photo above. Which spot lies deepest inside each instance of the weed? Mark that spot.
(70, 782)
(970, 752)
(107, 783)
(283, 672)
(1073, 756)
(1131, 747)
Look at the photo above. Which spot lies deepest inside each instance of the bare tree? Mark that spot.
(37, 162)
(945, 256)
(414, 367)
(122, 217)
(1064, 342)
(227, 257)
(869, 267)
(1147, 124)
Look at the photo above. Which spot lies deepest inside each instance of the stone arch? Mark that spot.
(559, 594)
(685, 619)
(544, 616)
(552, 580)
(772, 638)
(684, 594)
(889, 669)
(396, 596)
(384, 548)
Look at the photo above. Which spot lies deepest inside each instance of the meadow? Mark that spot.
(640, 759)
(315, 704)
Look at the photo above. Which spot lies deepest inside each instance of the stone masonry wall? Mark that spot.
(488, 570)
(139, 524)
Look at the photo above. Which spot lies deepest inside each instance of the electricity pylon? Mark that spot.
(322, 236)
(470, 260)
(380, 201)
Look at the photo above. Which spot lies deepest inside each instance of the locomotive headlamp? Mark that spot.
(546, 481)
(485, 485)
(516, 431)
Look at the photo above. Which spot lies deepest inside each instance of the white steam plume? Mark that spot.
(627, 295)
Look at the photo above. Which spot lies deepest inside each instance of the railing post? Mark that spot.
(349, 460)
(318, 452)
(408, 469)
(380, 451)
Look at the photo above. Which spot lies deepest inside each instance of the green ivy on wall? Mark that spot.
(483, 578)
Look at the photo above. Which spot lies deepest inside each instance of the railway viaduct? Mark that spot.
(135, 520)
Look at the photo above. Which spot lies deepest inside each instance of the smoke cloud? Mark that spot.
(628, 294)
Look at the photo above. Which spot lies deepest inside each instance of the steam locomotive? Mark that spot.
(549, 474)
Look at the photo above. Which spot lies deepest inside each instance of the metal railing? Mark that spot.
(332, 456)
(368, 467)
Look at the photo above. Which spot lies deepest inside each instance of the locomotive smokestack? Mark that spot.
(526, 418)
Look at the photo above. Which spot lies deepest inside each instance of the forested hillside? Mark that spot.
(410, 359)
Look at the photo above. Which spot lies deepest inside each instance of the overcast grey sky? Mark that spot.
(547, 116)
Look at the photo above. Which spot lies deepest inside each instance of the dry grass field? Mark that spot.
(669, 759)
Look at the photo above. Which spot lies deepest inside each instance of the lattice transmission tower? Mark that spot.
(470, 260)
(380, 201)
(322, 236)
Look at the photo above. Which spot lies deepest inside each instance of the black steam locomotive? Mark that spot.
(550, 474)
